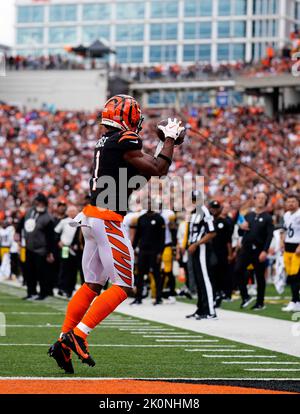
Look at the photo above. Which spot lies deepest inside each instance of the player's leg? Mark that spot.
(260, 270)
(80, 302)
(142, 269)
(116, 255)
(243, 260)
(156, 264)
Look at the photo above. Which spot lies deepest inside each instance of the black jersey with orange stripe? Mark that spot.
(111, 173)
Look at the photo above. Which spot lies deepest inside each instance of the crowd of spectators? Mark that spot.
(52, 153)
(275, 62)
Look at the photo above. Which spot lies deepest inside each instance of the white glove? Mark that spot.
(172, 129)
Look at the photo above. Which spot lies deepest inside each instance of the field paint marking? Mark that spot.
(260, 362)
(217, 346)
(33, 313)
(143, 378)
(51, 326)
(272, 369)
(149, 329)
(224, 350)
(113, 345)
(31, 326)
(187, 340)
(239, 356)
(115, 319)
(173, 336)
(119, 322)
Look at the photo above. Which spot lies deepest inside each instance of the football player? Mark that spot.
(291, 247)
(108, 254)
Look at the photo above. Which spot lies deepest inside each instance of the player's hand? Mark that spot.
(192, 248)
(172, 129)
(297, 252)
(158, 258)
(263, 256)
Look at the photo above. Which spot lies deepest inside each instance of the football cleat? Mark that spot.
(62, 355)
(246, 302)
(79, 346)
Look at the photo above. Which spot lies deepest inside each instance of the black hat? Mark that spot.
(41, 198)
(214, 204)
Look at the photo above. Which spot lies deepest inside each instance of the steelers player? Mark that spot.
(167, 256)
(291, 246)
(108, 253)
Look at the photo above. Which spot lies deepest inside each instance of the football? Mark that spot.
(161, 135)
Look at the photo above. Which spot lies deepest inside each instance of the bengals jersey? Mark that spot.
(111, 173)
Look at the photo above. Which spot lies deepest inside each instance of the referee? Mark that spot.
(257, 233)
(201, 231)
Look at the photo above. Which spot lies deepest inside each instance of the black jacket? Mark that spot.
(38, 230)
(259, 236)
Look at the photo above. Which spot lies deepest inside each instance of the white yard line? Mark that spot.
(224, 350)
(269, 333)
(239, 356)
(184, 379)
(112, 345)
(34, 313)
(259, 363)
(272, 369)
(173, 336)
(218, 350)
(217, 346)
(145, 330)
(187, 340)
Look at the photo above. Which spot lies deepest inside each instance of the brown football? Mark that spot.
(161, 135)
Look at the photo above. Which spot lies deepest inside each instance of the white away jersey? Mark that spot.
(292, 226)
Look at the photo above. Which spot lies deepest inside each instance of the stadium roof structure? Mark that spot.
(96, 50)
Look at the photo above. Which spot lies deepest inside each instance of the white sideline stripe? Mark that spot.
(219, 349)
(146, 330)
(218, 346)
(30, 326)
(113, 345)
(239, 356)
(187, 340)
(33, 313)
(172, 336)
(143, 378)
(49, 326)
(271, 369)
(132, 322)
(260, 362)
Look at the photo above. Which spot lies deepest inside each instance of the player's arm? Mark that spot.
(148, 165)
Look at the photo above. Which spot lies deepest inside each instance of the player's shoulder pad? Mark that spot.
(128, 136)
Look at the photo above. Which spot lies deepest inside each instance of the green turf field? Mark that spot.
(127, 347)
(274, 302)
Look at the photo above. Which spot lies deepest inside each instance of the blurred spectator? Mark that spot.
(68, 247)
(39, 237)
(256, 230)
(222, 248)
(150, 240)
